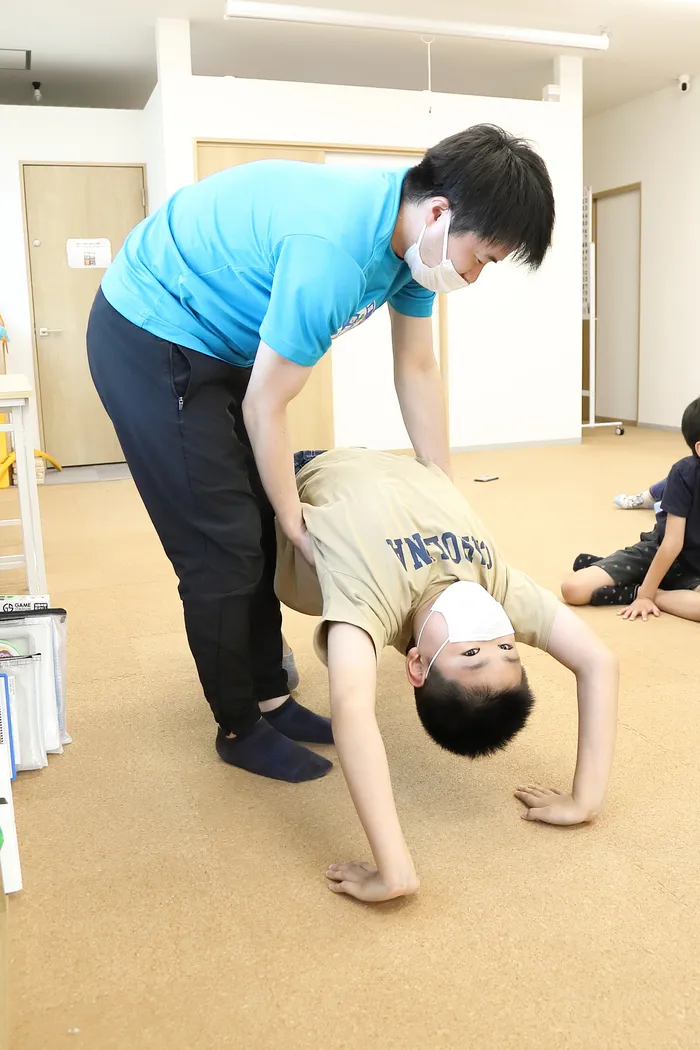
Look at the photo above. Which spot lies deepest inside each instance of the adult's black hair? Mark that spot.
(498, 188)
(690, 424)
(472, 722)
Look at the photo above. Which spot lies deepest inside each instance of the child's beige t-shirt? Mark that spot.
(389, 534)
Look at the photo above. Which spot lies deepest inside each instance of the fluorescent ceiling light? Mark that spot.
(422, 26)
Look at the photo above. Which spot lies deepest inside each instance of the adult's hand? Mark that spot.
(304, 544)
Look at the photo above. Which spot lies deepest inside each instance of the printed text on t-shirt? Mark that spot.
(424, 550)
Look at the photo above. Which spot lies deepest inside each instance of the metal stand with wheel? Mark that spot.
(592, 424)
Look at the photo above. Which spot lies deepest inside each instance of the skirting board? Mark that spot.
(659, 426)
(516, 444)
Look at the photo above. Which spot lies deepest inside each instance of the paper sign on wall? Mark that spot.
(85, 254)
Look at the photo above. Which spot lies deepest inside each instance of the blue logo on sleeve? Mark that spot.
(357, 319)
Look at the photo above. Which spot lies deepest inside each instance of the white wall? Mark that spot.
(515, 339)
(36, 134)
(155, 150)
(656, 141)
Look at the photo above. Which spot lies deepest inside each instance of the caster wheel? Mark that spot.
(619, 431)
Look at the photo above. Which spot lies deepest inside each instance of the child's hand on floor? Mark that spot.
(364, 882)
(550, 806)
(643, 607)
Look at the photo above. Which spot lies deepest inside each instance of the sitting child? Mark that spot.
(402, 560)
(661, 573)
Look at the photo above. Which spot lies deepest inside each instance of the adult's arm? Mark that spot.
(419, 388)
(315, 289)
(274, 382)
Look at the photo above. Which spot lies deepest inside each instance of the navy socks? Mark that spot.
(298, 723)
(265, 751)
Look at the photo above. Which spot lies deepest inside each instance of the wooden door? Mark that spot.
(67, 202)
(215, 156)
(310, 414)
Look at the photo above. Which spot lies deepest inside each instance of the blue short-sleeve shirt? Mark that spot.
(286, 252)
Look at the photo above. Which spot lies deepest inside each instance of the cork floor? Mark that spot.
(173, 903)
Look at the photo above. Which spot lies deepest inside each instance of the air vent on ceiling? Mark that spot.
(15, 58)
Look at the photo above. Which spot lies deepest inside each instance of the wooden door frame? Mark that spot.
(27, 255)
(335, 147)
(618, 191)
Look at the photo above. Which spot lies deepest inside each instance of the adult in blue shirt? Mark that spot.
(208, 324)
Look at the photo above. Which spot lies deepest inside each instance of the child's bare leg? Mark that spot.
(680, 603)
(579, 586)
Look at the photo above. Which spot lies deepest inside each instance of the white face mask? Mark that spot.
(471, 615)
(442, 278)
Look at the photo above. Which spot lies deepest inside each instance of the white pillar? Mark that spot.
(568, 74)
(173, 55)
(174, 63)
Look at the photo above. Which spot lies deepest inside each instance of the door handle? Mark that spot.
(49, 331)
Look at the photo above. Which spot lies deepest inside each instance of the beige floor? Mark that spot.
(172, 903)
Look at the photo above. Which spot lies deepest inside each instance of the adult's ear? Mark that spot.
(438, 206)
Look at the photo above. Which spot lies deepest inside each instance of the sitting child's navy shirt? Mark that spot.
(682, 499)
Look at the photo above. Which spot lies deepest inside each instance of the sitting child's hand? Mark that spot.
(643, 607)
(552, 807)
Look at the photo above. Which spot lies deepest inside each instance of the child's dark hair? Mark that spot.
(497, 186)
(690, 425)
(472, 722)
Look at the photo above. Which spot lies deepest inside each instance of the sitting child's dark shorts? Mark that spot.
(631, 564)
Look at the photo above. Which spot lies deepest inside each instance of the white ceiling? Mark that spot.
(91, 53)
